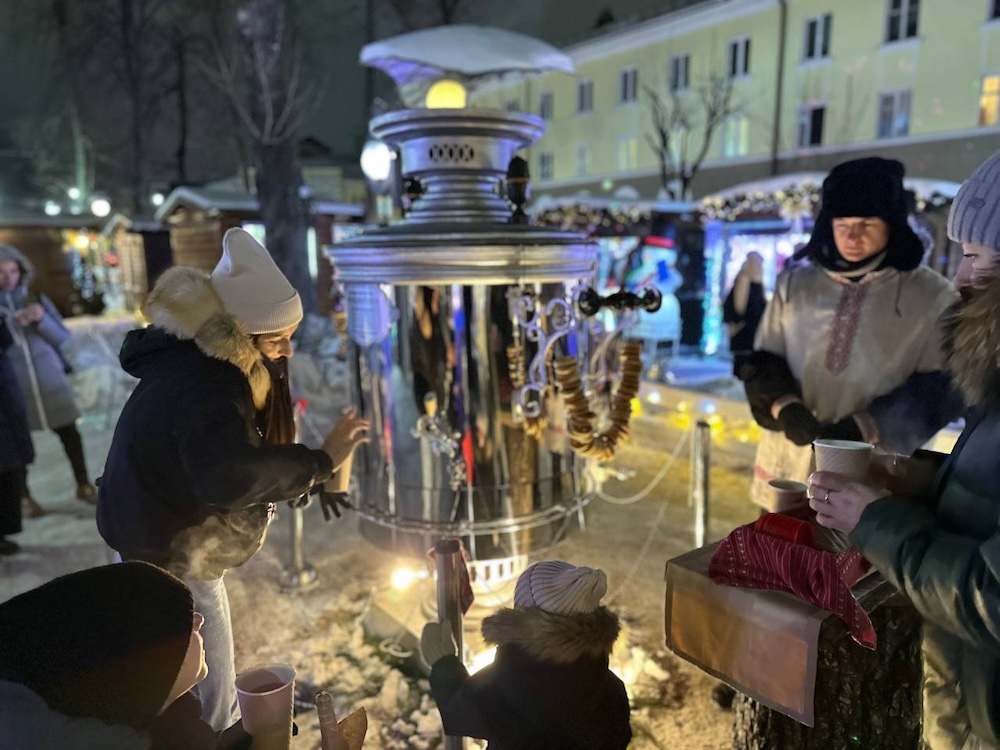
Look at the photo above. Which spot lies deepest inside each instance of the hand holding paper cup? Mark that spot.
(266, 696)
(845, 457)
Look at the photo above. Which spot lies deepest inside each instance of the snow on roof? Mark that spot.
(228, 200)
(462, 50)
(548, 203)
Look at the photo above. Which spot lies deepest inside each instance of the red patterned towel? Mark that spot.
(751, 558)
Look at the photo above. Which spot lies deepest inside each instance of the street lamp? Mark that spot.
(376, 161)
(52, 208)
(73, 193)
(100, 206)
(157, 199)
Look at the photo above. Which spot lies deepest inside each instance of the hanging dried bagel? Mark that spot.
(533, 426)
(580, 419)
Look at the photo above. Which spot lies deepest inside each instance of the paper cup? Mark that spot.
(786, 495)
(341, 479)
(846, 457)
(266, 696)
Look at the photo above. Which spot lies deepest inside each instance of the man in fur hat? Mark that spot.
(850, 344)
(549, 685)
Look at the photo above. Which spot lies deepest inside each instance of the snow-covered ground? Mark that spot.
(322, 632)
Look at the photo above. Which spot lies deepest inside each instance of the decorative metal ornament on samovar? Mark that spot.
(472, 352)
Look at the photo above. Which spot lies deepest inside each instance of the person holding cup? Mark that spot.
(104, 659)
(940, 543)
(850, 344)
(204, 446)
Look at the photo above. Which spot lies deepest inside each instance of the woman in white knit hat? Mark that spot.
(549, 685)
(204, 447)
(942, 547)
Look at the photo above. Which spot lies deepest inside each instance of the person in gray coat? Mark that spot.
(41, 369)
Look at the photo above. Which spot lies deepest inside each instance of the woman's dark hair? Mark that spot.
(277, 420)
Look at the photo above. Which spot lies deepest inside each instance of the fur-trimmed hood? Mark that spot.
(972, 345)
(559, 639)
(185, 304)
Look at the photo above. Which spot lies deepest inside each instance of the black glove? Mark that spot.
(845, 429)
(333, 502)
(799, 424)
(766, 378)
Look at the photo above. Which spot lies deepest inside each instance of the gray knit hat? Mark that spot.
(560, 588)
(975, 212)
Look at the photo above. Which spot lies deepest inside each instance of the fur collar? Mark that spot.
(972, 345)
(560, 639)
(185, 304)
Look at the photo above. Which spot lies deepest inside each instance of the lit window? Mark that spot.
(546, 105)
(546, 165)
(811, 126)
(680, 66)
(894, 114)
(736, 136)
(817, 38)
(989, 101)
(902, 20)
(628, 81)
(585, 96)
(628, 154)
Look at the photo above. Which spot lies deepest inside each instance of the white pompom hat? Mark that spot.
(252, 287)
(560, 588)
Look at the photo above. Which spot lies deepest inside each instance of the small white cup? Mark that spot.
(846, 457)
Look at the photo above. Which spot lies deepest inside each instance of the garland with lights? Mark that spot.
(796, 200)
(598, 222)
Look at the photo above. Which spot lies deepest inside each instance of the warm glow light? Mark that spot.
(376, 161)
(157, 199)
(482, 659)
(653, 397)
(100, 207)
(82, 241)
(403, 578)
(446, 94)
(52, 208)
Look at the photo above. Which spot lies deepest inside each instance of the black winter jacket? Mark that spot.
(188, 484)
(16, 448)
(548, 687)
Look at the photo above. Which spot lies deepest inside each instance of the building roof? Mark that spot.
(17, 217)
(242, 202)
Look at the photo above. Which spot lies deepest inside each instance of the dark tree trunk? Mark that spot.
(864, 699)
(285, 215)
(180, 51)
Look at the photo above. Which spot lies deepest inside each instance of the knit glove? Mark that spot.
(846, 429)
(333, 502)
(436, 642)
(799, 424)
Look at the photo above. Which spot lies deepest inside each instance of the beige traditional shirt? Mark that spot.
(847, 344)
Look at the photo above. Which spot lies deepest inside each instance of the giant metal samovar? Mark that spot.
(456, 315)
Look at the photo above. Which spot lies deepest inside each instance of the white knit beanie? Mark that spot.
(560, 588)
(975, 212)
(252, 288)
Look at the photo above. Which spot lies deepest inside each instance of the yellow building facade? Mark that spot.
(814, 83)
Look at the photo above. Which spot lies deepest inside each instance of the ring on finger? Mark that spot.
(826, 497)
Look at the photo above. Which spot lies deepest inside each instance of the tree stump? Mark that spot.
(864, 699)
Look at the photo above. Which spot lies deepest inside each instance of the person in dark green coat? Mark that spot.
(940, 544)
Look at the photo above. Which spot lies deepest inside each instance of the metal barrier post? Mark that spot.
(300, 575)
(446, 556)
(701, 447)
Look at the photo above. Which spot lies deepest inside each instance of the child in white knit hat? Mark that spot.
(549, 685)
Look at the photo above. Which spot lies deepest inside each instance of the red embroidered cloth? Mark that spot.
(762, 556)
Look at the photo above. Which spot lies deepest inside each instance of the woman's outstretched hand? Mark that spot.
(347, 434)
